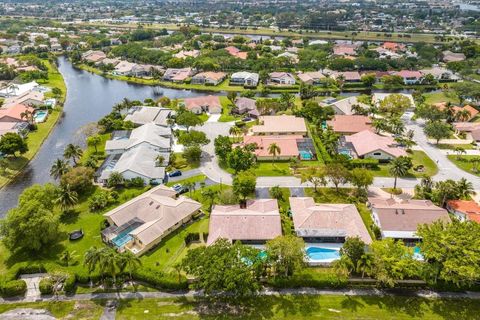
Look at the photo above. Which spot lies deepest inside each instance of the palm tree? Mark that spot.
(129, 262)
(274, 150)
(287, 100)
(396, 126)
(59, 168)
(463, 115)
(190, 185)
(359, 110)
(28, 116)
(91, 259)
(365, 264)
(94, 141)
(340, 81)
(235, 131)
(210, 194)
(379, 125)
(66, 197)
(459, 151)
(66, 257)
(399, 167)
(474, 162)
(109, 262)
(160, 159)
(465, 188)
(72, 152)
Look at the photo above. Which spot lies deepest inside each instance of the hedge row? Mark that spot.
(13, 288)
(46, 286)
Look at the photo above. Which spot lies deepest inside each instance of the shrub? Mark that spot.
(79, 178)
(135, 183)
(13, 288)
(363, 163)
(159, 279)
(46, 286)
(192, 237)
(69, 284)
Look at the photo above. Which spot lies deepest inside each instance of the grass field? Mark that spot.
(64, 309)
(35, 138)
(419, 158)
(436, 97)
(463, 162)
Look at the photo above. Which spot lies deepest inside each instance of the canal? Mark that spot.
(89, 97)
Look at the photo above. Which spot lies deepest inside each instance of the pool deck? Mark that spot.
(322, 262)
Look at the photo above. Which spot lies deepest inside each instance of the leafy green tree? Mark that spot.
(395, 104)
(244, 184)
(94, 141)
(193, 138)
(192, 154)
(337, 174)
(188, 119)
(79, 179)
(369, 79)
(45, 194)
(223, 146)
(286, 254)
(221, 267)
(73, 152)
(399, 168)
(437, 130)
(365, 264)
(314, 175)
(11, 143)
(59, 168)
(276, 193)
(240, 159)
(353, 249)
(30, 227)
(361, 178)
(67, 256)
(66, 197)
(210, 194)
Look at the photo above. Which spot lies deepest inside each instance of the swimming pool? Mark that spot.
(319, 254)
(123, 238)
(305, 155)
(40, 116)
(417, 253)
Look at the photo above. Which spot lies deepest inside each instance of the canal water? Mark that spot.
(89, 97)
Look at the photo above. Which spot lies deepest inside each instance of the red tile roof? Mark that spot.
(470, 208)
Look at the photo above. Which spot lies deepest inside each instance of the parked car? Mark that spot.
(246, 119)
(179, 189)
(176, 173)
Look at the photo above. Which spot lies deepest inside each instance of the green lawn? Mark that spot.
(419, 158)
(436, 97)
(199, 178)
(301, 307)
(35, 139)
(226, 111)
(453, 146)
(63, 309)
(182, 164)
(463, 162)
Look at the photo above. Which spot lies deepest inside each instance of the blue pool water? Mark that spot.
(305, 155)
(40, 116)
(124, 237)
(319, 254)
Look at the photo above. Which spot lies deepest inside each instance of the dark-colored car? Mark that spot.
(246, 119)
(176, 173)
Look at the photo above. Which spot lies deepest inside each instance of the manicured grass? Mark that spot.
(227, 110)
(100, 152)
(199, 178)
(182, 164)
(35, 138)
(453, 146)
(418, 158)
(436, 97)
(329, 195)
(366, 218)
(301, 307)
(463, 162)
(62, 309)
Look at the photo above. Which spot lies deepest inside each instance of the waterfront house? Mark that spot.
(409, 76)
(246, 79)
(281, 78)
(177, 75)
(140, 115)
(207, 104)
(314, 77)
(280, 125)
(93, 56)
(29, 98)
(344, 106)
(209, 78)
(347, 76)
(143, 222)
(456, 109)
(14, 113)
(124, 68)
(253, 222)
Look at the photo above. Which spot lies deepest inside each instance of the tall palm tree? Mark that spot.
(287, 100)
(365, 264)
(109, 262)
(399, 168)
(66, 197)
(73, 152)
(91, 259)
(235, 131)
(463, 115)
(459, 151)
(396, 125)
(59, 168)
(274, 150)
(129, 262)
(66, 257)
(465, 188)
(210, 194)
(94, 141)
(28, 116)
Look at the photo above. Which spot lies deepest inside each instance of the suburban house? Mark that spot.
(177, 75)
(292, 57)
(314, 77)
(246, 106)
(326, 222)
(345, 50)
(291, 146)
(409, 76)
(346, 76)
(187, 54)
(143, 222)
(367, 144)
(400, 219)
(14, 113)
(349, 124)
(156, 137)
(13, 127)
(394, 46)
(344, 106)
(93, 56)
(29, 98)
(280, 125)
(449, 56)
(254, 222)
(281, 78)
(464, 210)
(142, 115)
(441, 74)
(471, 129)
(456, 109)
(124, 68)
(244, 78)
(208, 104)
(17, 89)
(208, 78)
(234, 51)
(108, 61)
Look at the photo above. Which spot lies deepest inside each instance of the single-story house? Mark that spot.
(464, 210)
(244, 78)
(314, 77)
(291, 146)
(13, 90)
(108, 61)
(449, 56)
(177, 75)
(93, 56)
(400, 219)
(124, 68)
(142, 115)
(456, 109)
(441, 74)
(254, 222)
(367, 144)
(30, 98)
(198, 105)
(156, 137)
(409, 76)
(387, 54)
(141, 223)
(280, 125)
(13, 127)
(234, 51)
(326, 222)
(344, 106)
(14, 113)
(281, 78)
(471, 129)
(246, 106)
(187, 54)
(292, 57)
(349, 124)
(345, 50)
(347, 76)
(394, 46)
(209, 78)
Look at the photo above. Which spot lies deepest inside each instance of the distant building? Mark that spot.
(177, 75)
(449, 56)
(209, 78)
(208, 104)
(280, 125)
(281, 78)
(246, 79)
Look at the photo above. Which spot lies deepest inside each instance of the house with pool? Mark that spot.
(400, 219)
(143, 222)
(254, 222)
(325, 226)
